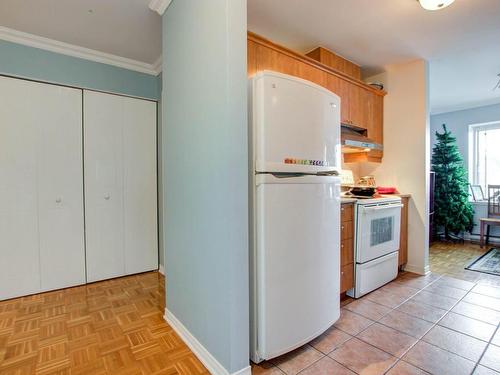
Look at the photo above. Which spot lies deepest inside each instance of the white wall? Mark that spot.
(406, 151)
(355, 168)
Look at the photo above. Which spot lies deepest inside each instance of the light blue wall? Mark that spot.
(458, 123)
(28, 62)
(206, 174)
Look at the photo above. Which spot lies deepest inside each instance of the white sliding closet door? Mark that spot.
(103, 154)
(60, 188)
(41, 188)
(140, 186)
(19, 252)
(120, 185)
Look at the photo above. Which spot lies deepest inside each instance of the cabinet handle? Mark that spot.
(107, 197)
(342, 246)
(342, 273)
(342, 209)
(342, 227)
(58, 200)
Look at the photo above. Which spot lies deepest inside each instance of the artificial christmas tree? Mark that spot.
(452, 211)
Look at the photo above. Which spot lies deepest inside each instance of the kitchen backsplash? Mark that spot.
(354, 167)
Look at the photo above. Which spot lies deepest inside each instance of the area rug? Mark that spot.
(487, 263)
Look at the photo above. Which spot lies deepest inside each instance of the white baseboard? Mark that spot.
(161, 270)
(243, 371)
(208, 360)
(417, 269)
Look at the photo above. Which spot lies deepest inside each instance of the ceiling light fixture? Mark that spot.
(435, 4)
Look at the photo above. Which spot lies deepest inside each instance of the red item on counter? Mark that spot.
(386, 190)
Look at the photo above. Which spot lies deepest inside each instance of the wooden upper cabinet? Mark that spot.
(375, 127)
(367, 112)
(262, 58)
(341, 88)
(357, 106)
(335, 61)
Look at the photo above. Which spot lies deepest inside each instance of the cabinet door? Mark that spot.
(60, 187)
(376, 125)
(41, 196)
(140, 187)
(357, 106)
(366, 116)
(346, 277)
(341, 88)
(19, 254)
(103, 165)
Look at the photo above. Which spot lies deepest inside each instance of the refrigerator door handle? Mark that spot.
(299, 174)
(270, 178)
(383, 207)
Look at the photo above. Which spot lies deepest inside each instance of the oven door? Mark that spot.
(377, 231)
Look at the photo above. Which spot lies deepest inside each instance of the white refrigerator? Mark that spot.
(295, 222)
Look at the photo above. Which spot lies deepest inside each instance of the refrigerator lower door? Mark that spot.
(375, 273)
(297, 261)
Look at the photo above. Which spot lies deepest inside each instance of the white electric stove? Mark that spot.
(376, 242)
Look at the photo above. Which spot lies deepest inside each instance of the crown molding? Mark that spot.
(56, 46)
(159, 6)
(157, 65)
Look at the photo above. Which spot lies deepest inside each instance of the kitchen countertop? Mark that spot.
(347, 200)
(403, 195)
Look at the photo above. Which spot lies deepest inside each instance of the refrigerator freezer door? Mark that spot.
(296, 120)
(297, 259)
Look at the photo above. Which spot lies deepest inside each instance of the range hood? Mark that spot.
(355, 140)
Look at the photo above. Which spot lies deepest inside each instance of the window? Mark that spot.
(484, 154)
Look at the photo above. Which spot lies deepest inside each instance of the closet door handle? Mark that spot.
(107, 196)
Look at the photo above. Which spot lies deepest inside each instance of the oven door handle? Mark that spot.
(385, 207)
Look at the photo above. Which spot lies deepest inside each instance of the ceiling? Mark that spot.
(126, 28)
(460, 42)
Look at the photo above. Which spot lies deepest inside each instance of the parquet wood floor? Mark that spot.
(451, 258)
(110, 327)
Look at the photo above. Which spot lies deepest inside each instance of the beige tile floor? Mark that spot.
(435, 324)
